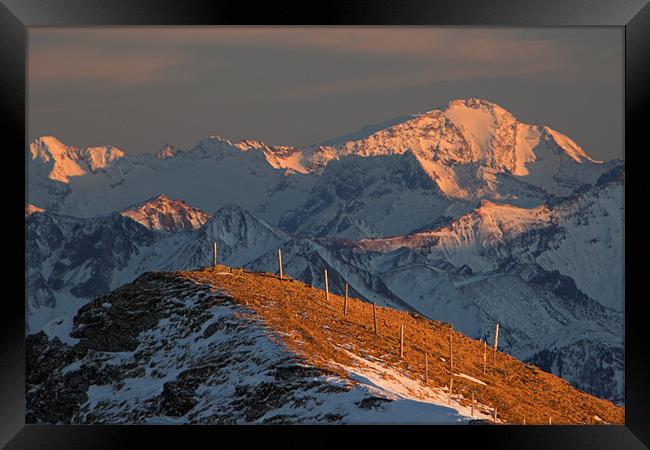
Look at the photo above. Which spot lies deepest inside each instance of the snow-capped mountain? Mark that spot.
(278, 156)
(241, 237)
(211, 174)
(31, 209)
(580, 236)
(471, 150)
(164, 214)
(70, 260)
(463, 214)
(356, 196)
(468, 132)
(62, 162)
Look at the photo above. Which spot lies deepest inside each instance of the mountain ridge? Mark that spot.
(222, 346)
(447, 143)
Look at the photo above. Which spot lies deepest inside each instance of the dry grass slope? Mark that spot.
(317, 330)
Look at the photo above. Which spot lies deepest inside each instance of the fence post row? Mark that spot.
(280, 262)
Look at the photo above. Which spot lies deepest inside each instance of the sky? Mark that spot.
(140, 88)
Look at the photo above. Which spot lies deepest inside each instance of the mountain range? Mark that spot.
(462, 214)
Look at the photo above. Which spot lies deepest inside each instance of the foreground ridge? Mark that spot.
(223, 345)
(319, 331)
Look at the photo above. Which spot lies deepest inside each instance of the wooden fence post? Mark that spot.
(426, 368)
(473, 403)
(550, 420)
(345, 302)
(496, 342)
(451, 388)
(280, 262)
(214, 253)
(484, 355)
(401, 341)
(495, 413)
(327, 289)
(524, 421)
(374, 316)
(451, 354)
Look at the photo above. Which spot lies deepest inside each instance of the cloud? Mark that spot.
(89, 64)
(403, 80)
(480, 43)
(392, 57)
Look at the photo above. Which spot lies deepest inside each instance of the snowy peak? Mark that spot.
(97, 158)
(240, 236)
(232, 221)
(499, 140)
(567, 145)
(469, 150)
(164, 214)
(31, 209)
(60, 160)
(66, 161)
(278, 156)
(490, 223)
(168, 151)
(468, 131)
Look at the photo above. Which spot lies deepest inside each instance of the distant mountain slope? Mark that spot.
(355, 196)
(216, 347)
(241, 237)
(580, 236)
(69, 260)
(164, 214)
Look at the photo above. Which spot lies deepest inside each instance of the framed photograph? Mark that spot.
(405, 217)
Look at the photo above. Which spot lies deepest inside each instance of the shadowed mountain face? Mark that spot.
(464, 215)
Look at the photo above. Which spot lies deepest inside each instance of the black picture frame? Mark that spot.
(17, 15)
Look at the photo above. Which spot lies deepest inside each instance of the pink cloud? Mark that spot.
(77, 64)
(156, 53)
